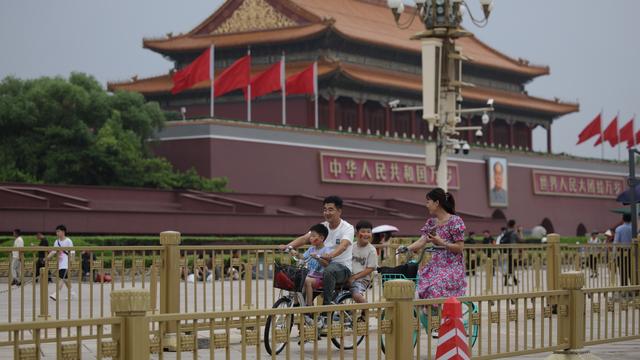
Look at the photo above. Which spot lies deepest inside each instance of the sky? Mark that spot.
(591, 46)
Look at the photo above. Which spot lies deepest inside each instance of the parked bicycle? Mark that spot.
(289, 279)
(409, 271)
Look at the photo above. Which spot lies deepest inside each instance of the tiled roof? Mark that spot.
(364, 21)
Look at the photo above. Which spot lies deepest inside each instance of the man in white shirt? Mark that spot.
(16, 257)
(340, 240)
(62, 241)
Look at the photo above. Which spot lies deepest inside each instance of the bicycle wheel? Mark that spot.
(349, 319)
(279, 322)
(415, 332)
(468, 309)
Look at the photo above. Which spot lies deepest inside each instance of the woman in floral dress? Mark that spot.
(444, 275)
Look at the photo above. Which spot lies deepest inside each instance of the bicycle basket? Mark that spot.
(406, 271)
(290, 278)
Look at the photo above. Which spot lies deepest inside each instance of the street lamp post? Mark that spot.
(442, 72)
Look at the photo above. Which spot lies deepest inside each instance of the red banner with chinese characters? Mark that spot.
(388, 171)
(573, 184)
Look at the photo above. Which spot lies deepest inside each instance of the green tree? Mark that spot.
(74, 132)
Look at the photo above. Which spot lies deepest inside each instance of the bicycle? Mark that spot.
(291, 295)
(409, 271)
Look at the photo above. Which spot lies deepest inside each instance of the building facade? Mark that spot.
(361, 149)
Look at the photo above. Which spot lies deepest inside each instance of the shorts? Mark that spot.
(317, 281)
(62, 273)
(360, 286)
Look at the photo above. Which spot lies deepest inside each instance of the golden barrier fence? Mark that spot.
(611, 314)
(604, 264)
(229, 278)
(400, 327)
(57, 339)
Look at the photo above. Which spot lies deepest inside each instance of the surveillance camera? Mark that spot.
(479, 133)
(459, 99)
(490, 102)
(466, 148)
(456, 147)
(485, 118)
(394, 103)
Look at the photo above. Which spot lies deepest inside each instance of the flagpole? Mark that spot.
(315, 91)
(213, 79)
(283, 86)
(249, 87)
(618, 132)
(601, 135)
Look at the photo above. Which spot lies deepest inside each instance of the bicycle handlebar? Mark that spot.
(432, 249)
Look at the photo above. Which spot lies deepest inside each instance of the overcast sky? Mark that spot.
(591, 46)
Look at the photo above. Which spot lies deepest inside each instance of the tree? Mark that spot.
(74, 132)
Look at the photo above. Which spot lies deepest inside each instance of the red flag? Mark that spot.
(591, 130)
(638, 137)
(302, 82)
(626, 134)
(610, 134)
(234, 77)
(267, 81)
(198, 70)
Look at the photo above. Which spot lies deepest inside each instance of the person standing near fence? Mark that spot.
(623, 236)
(16, 257)
(594, 251)
(444, 275)
(62, 241)
(339, 240)
(40, 264)
(510, 237)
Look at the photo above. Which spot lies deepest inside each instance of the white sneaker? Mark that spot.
(52, 296)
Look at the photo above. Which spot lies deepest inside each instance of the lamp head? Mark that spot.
(394, 4)
(485, 118)
(487, 7)
(431, 122)
(479, 133)
(466, 148)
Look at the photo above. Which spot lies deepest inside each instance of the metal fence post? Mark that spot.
(248, 278)
(553, 262)
(571, 325)
(44, 293)
(488, 269)
(170, 283)
(400, 343)
(133, 334)
(153, 288)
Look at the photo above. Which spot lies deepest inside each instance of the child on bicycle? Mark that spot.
(315, 263)
(364, 261)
